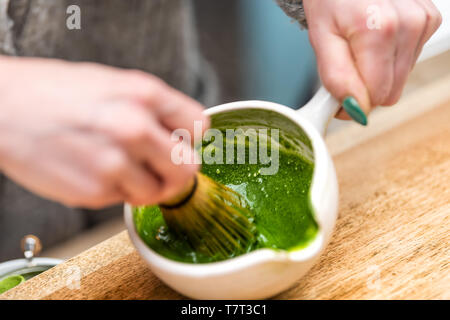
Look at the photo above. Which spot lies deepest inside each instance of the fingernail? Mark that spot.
(353, 109)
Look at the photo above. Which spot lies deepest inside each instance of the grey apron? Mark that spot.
(156, 36)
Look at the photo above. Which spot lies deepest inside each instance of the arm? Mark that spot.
(89, 135)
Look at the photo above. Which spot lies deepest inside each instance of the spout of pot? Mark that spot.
(308, 253)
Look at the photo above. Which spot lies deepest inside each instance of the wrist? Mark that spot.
(7, 71)
(7, 66)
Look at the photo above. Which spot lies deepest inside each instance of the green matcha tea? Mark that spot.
(279, 202)
(10, 282)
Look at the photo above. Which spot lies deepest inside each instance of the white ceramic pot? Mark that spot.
(264, 272)
(21, 266)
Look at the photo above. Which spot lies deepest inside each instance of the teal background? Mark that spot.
(278, 62)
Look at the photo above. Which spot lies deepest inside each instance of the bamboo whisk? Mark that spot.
(213, 218)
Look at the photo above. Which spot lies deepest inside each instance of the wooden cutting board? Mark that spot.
(392, 239)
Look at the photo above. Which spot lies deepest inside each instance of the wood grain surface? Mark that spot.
(392, 239)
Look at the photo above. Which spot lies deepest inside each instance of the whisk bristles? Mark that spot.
(213, 218)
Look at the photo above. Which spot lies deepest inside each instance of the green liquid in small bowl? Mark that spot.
(10, 282)
(13, 279)
(280, 202)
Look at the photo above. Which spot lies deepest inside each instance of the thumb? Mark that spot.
(340, 76)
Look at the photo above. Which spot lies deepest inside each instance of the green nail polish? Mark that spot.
(353, 109)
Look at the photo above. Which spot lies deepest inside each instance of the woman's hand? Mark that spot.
(367, 48)
(90, 136)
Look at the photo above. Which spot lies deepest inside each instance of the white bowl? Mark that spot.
(264, 272)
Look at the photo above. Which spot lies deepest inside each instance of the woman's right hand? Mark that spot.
(88, 135)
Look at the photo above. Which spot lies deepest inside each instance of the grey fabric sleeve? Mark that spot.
(294, 9)
(6, 39)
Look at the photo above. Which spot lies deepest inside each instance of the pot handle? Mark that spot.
(320, 109)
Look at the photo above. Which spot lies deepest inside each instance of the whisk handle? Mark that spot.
(183, 197)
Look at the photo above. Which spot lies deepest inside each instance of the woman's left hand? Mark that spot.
(367, 48)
